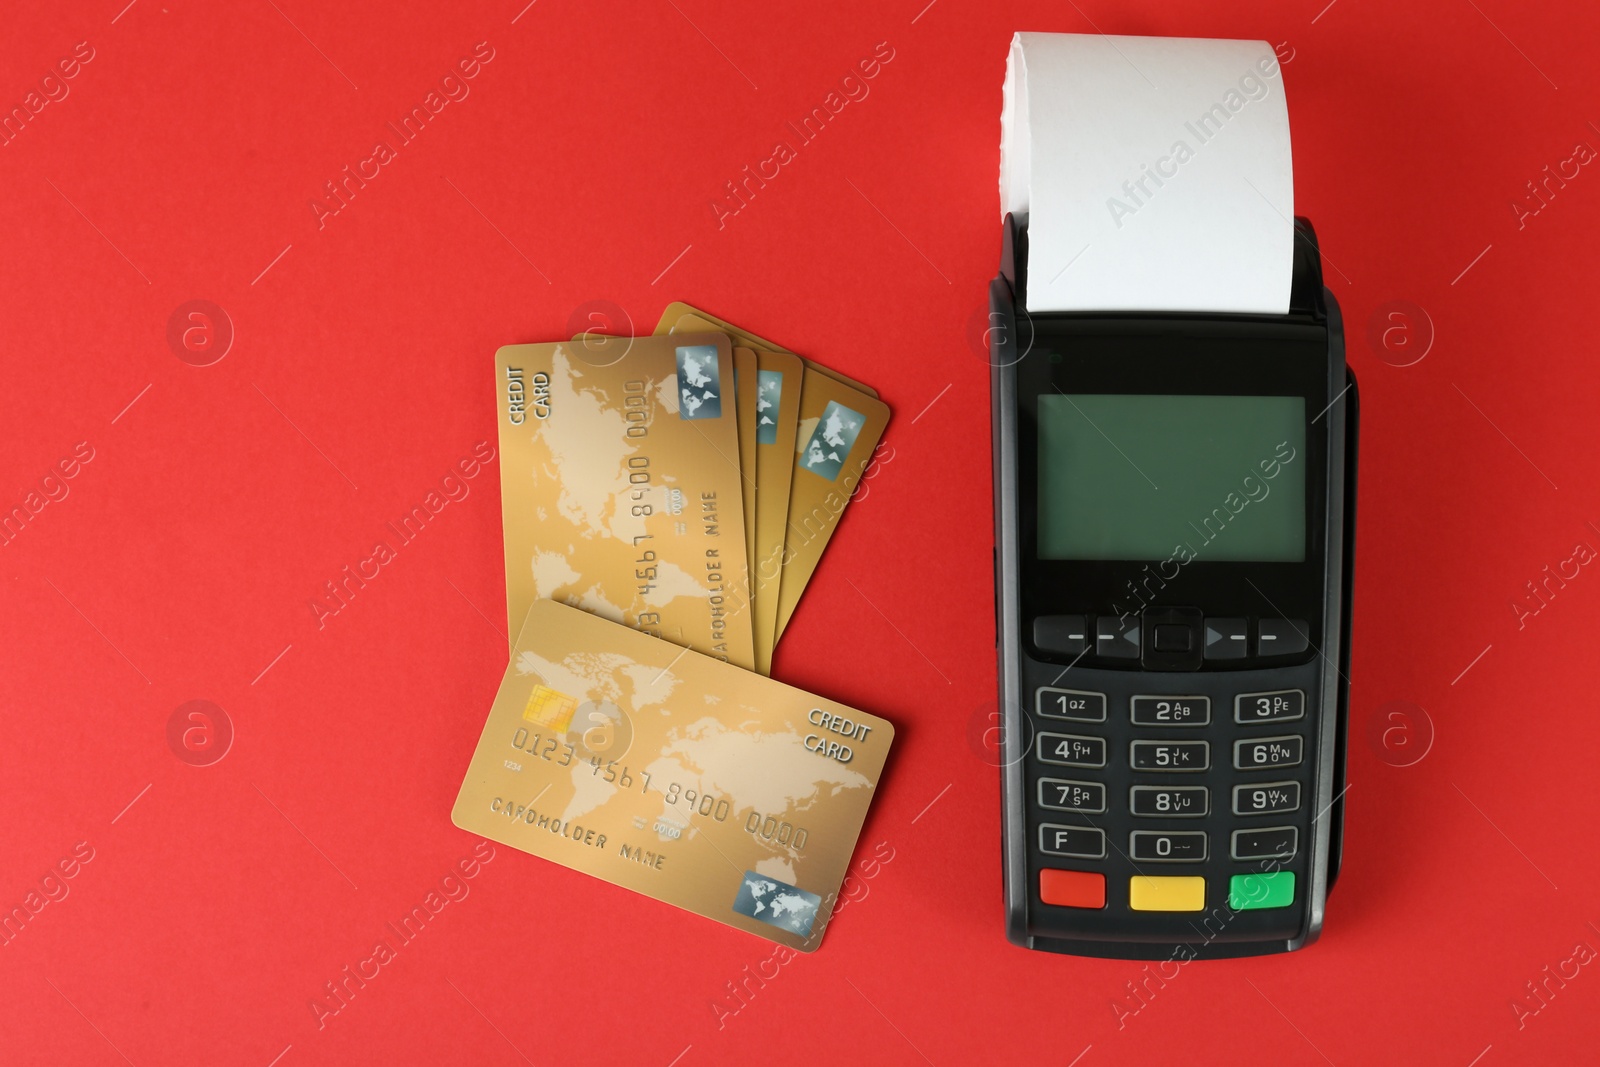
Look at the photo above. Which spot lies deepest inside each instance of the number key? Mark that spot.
(1064, 795)
(1171, 711)
(1266, 798)
(1071, 704)
(1170, 755)
(1167, 846)
(1258, 753)
(1172, 802)
(1072, 750)
(1285, 705)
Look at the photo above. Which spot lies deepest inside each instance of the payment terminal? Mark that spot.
(1174, 509)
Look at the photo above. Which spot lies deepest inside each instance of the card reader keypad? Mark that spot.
(1178, 801)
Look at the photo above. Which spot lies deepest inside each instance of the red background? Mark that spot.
(221, 898)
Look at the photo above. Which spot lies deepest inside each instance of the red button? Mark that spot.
(1072, 889)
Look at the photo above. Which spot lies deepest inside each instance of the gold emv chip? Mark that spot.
(550, 709)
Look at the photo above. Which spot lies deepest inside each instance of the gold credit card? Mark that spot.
(839, 429)
(672, 774)
(620, 485)
(777, 423)
(744, 373)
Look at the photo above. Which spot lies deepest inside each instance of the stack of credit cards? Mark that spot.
(666, 501)
(684, 484)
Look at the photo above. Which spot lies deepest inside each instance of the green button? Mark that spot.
(1268, 890)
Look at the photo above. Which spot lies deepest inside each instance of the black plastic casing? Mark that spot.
(1304, 352)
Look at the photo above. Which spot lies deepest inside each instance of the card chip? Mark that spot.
(551, 709)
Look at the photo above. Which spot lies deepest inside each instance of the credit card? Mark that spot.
(744, 375)
(672, 774)
(620, 486)
(839, 429)
(745, 402)
(777, 423)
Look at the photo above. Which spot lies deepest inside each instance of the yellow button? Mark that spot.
(1166, 894)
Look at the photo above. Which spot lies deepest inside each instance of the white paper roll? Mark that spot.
(1155, 173)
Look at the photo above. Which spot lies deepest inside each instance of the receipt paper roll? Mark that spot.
(1154, 173)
